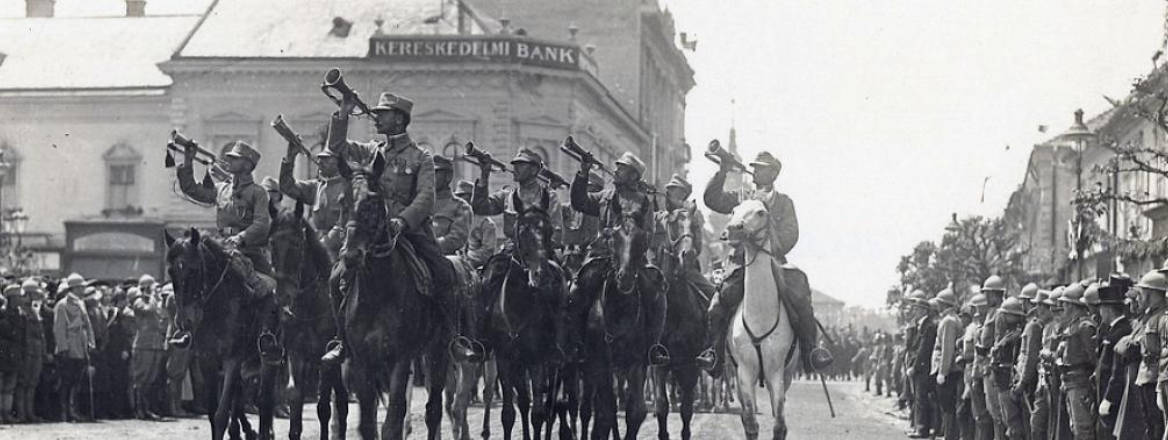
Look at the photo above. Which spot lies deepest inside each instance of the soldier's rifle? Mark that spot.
(281, 126)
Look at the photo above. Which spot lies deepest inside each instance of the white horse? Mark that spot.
(761, 339)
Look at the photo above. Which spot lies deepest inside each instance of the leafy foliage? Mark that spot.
(970, 250)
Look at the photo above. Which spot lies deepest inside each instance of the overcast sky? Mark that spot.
(889, 115)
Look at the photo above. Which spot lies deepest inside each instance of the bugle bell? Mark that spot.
(334, 81)
(476, 156)
(715, 153)
(286, 132)
(574, 151)
(179, 144)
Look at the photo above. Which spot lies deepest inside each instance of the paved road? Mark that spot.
(858, 415)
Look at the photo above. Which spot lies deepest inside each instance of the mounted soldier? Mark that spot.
(681, 221)
(481, 241)
(784, 230)
(452, 215)
(580, 229)
(627, 196)
(327, 194)
(407, 186)
(243, 219)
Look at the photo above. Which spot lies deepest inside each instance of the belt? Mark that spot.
(1071, 369)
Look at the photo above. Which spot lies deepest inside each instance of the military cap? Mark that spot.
(1042, 296)
(325, 152)
(1012, 306)
(1073, 294)
(1154, 281)
(993, 284)
(463, 187)
(676, 181)
(389, 101)
(167, 288)
(767, 160)
(1055, 294)
(442, 163)
(631, 160)
(243, 150)
(1028, 291)
(525, 155)
(75, 280)
(270, 184)
(978, 300)
(1091, 295)
(946, 298)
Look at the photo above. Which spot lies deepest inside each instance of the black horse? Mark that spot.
(302, 265)
(523, 323)
(224, 324)
(387, 320)
(614, 300)
(685, 323)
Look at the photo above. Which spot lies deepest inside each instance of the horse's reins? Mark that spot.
(512, 332)
(756, 340)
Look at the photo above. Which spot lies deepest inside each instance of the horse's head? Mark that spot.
(681, 250)
(533, 234)
(748, 223)
(289, 240)
(628, 241)
(197, 266)
(367, 220)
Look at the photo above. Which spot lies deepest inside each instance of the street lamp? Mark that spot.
(1078, 136)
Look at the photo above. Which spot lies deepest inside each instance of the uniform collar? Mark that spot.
(531, 185)
(241, 180)
(397, 141)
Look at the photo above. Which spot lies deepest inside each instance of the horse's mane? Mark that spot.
(316, 250)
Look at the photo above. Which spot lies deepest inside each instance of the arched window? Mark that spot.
(10, 161)
(121, 164)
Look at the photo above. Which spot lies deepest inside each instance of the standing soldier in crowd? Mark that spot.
(924, 383)
(1075, 362)
(327, 195)
(909, 354)
(11, 350)
(944, 368)
(1028, 381)
(149, 348)
(35, 351)
(1122, 398)
(1011, 317)
(1145, 342)
(480, 239)
(974, 390)
(1111, 372)
(994, 289)
(74, 343)
(452, 215)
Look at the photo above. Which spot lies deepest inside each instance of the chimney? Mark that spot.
(39, 8)
(135, 8)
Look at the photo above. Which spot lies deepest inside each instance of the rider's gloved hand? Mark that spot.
(396, 226)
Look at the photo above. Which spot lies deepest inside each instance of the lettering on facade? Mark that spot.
(498, 49)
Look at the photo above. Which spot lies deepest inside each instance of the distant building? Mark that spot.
(828, 309)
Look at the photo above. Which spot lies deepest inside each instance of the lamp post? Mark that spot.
(1078, 136)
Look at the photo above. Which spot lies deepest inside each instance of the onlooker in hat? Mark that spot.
(178, 359)
(73, 333)
(120, 321)
(35, 351)
(149, 348)
(11, 350)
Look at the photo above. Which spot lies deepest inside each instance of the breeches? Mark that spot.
(1080, 407)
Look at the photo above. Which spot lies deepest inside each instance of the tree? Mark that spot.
(971, 250)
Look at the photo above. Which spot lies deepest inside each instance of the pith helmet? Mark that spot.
(464, 187)
(994, 284)
(1042, 297)
(1028, 291)
(75, 280)
(1012, 306)
(270, 184)
(1073, 294)
(1154, 280)
(1091, 295)
(676, 181)
(946, 298)
(978, 300)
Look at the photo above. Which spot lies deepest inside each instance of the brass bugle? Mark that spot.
(574, 151)
(334, 80)
(554, 180)
(290, 135)
(476, 156)
(174, 147)
(715, 153)
(185, 142)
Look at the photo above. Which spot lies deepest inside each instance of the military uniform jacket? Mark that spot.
(451, 221)
(531, 194)
(328, 198)
(603, 203)
(150, 320)
(407, 184)
(1148, 340)
(670, 227)
(1113, 377)
(969, 351)
(1077, 349)
(784, 225)
(926, 337)
(579, 228)
(911, 340)
(1161, 331)
(944, 350)
(1026, 368)
(985, 341)
(241, 206)
(482, 241)
(71, 328)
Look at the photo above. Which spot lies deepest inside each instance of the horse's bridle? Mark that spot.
(204, 294)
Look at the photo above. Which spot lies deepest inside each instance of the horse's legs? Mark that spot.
(777, 383)
(687, 378)
(587, 400)
(467, 379)
(507, 379)
(566, 405)
(334, 382)
(437, 363)
(241, 418)
(396, 405)
(537, 381)
(453, 379)
(367, 396)
(224, 394)
(295, 394)
(635, 410)
(746, 375)
(490, 381)
(323, 394)
(267, 400)
(522, 388)
(604, 400)
(661, 401)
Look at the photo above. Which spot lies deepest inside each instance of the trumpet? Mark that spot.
(333, 80)
(179, 144)
(476, 156)
(720, 156)
(574, 151)
(553, 180)
(289, 135)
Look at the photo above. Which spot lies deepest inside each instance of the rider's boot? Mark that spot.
(658, 354)
(339, 282)
(271, 352)
(725, 301)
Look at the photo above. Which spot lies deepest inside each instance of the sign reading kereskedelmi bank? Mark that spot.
(488, 48)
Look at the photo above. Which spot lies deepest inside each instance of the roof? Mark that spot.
(107, 8)
(301, 28)
(818, 297)
(89, 52)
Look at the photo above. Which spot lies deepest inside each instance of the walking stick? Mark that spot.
(830, 407)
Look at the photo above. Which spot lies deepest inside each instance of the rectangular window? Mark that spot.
(122, 188)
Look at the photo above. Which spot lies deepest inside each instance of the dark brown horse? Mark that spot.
(614, 297)
(387, 321)
(523, 323)
(302, 265)
(685, 323)
(224, 324)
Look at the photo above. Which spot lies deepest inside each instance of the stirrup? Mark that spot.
(334, 352)
(181, 339)
(270, 357)
(707, 359)
(658, 355)
(464, 349)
